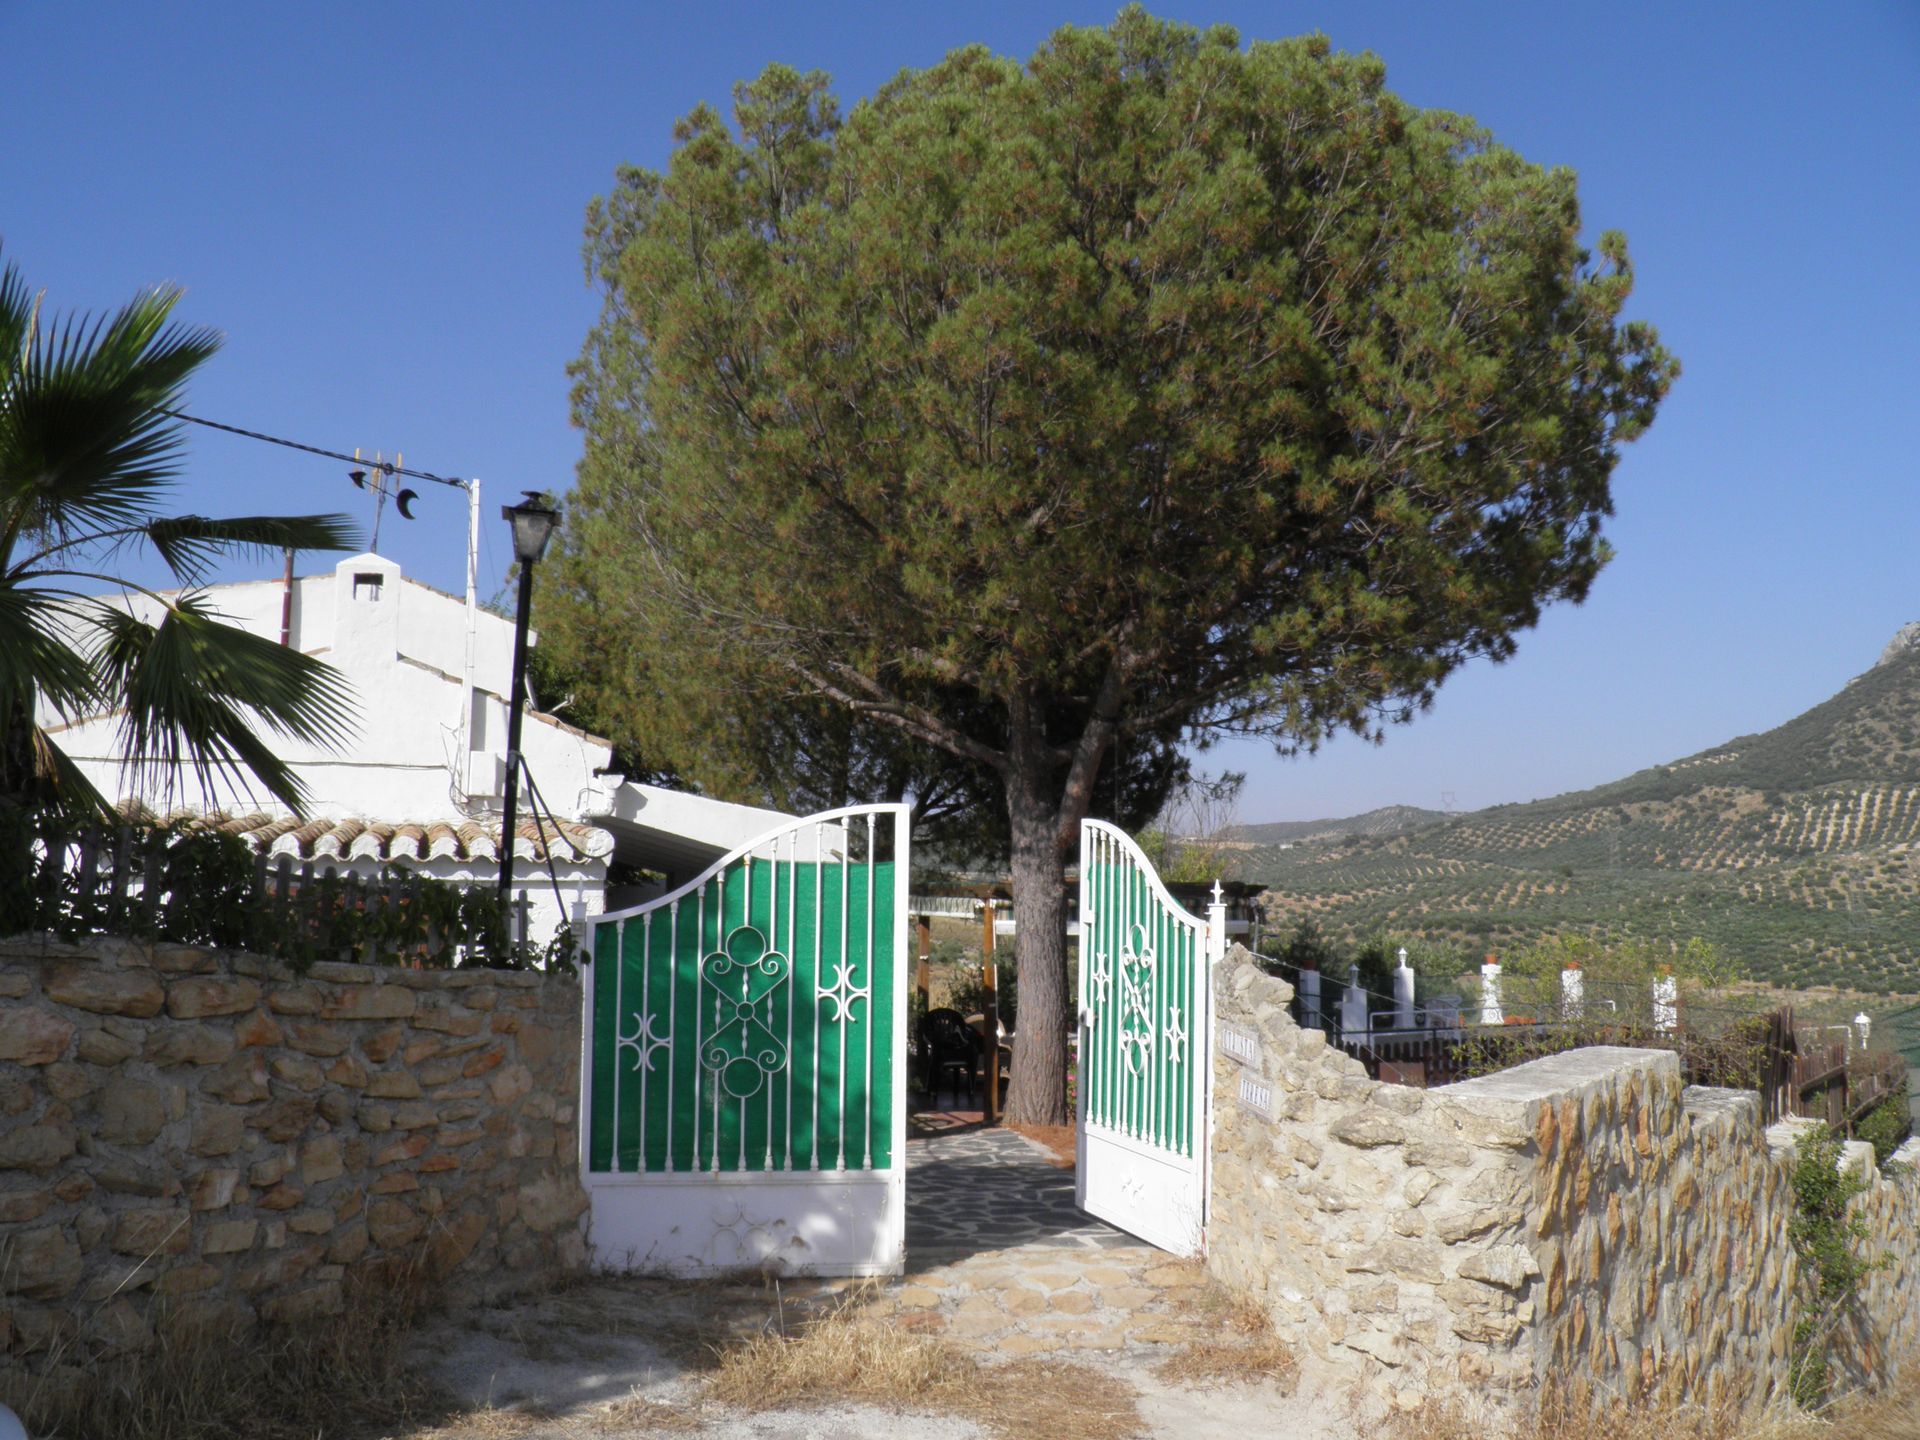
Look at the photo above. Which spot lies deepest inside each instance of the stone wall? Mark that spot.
(189, 1135)
(1583, 1218)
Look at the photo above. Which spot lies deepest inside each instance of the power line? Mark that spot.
(384, 466)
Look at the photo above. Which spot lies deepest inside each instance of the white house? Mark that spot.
(420, 781)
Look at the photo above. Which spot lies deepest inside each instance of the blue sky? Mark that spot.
(381, 207)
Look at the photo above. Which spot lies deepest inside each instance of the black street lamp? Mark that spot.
(533, 522)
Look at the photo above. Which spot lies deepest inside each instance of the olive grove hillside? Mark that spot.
(1796, 850)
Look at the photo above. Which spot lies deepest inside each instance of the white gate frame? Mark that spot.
(1128, 1180)
(836, 1222)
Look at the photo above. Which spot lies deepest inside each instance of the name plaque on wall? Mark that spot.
(1256, 1095)
(1240, 1043)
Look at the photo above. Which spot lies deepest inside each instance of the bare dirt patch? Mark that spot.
(1056, 1140)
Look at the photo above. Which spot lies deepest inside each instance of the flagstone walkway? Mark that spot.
(974, 1191)
(1000, 1259)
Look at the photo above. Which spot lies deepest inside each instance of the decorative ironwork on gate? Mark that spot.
(1144, 972)
(746, 1022)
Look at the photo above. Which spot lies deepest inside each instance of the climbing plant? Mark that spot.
(1830, 1238)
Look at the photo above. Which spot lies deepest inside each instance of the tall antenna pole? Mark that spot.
(473, 626)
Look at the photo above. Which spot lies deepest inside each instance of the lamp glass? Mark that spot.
(533, 524)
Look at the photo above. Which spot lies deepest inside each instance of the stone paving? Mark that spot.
(1000, 1260)
(1034, 1299)
(974, 1191)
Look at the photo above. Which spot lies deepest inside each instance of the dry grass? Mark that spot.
(1888, 1417)
(637, 1415)
(1891, 1417)
(1235, 1345)
(840, 1357)
(333, 1378)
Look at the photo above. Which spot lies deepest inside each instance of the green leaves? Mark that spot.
(194, 692)
(1157, 388)
(86, 456)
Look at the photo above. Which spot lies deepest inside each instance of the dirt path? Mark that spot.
(1019, 1316)
(1084, 1331)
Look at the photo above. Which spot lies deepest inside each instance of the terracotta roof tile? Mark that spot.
(355, 838)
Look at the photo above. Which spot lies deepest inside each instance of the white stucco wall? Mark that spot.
(418, 752)
(402, 647)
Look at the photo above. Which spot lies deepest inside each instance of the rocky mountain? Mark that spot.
(1795, 849)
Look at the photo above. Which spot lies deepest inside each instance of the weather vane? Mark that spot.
(383, 482)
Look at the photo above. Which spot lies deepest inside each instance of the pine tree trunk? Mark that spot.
(1038, 1093)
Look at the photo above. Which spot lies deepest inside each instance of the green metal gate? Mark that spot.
(745, 1065)
(1145, 1038)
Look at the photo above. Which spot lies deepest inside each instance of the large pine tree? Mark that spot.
(1155, 386)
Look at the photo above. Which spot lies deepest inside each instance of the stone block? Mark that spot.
(393, 1223)
(311, 1222)
(415, 1116)
(281, 1197)
(510, 1083)
(284, 1119)
(123, 1175)
(204, 995)
(348, 1071)
(90, 986)
(303, 1307)
(369, 1002)
(212, 1189)
(449, 1020)
(298, 1071)
(32, 1036)
(1367, 1130)
(67, 1081)
(103, 1047)
(218, 1130)
(258, 1029)
(241, 1080)
(411, 1147)
(41, 1264)
(393, 1085)
(483, 1062)
(17, 1207)
(189, 1045)
(383, 1045)
(164, 1231)
(190, 1279)
(1510, 1266)
(294, 1000)
(551, 1201)
(131, 1112)
(229, 1237)
(322, 1159)
(349, 1244)
(318, 1038)
(37, 1148)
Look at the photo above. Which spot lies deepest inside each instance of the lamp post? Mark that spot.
(533, 522)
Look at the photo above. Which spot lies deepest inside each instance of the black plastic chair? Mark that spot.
(949, 1051)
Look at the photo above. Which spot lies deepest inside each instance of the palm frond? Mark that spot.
(63, 785)
(194, 688)
(189, 543)
(37, 653)
(16, 319)
(83, 444)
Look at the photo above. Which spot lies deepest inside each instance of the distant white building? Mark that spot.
(421, 780)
